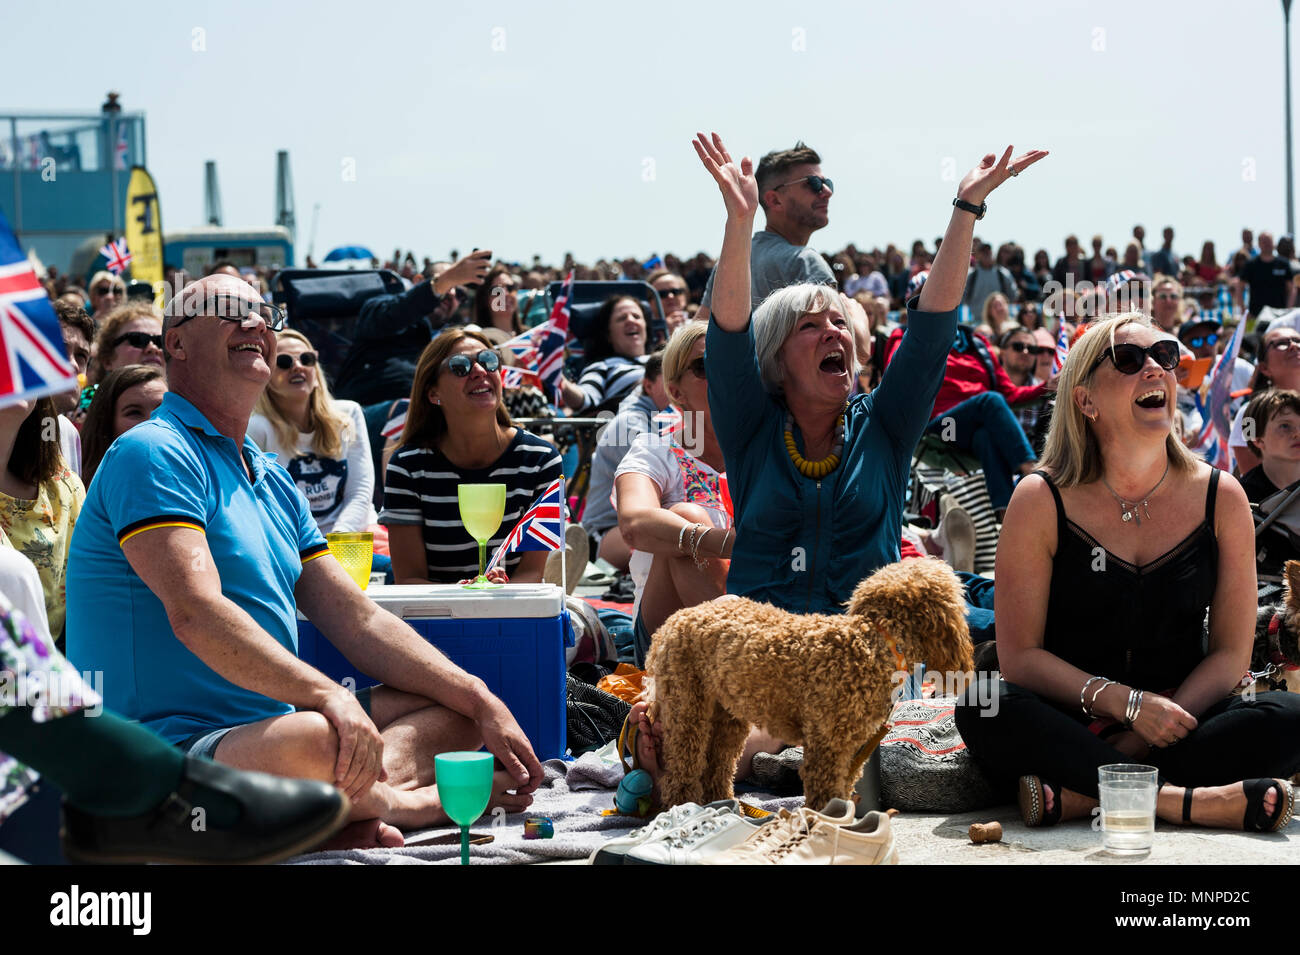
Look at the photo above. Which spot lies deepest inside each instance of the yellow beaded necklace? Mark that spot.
(814, 469)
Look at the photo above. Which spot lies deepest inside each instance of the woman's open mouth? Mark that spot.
(834, 364)
(1152, 399)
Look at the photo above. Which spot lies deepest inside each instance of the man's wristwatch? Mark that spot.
(977, 210)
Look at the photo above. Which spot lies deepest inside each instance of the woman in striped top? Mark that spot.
(458, 432)
(617, 352)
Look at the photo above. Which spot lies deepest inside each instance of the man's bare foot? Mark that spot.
(649, 740)
(1219, 807)
(364, 834)
(421, 808)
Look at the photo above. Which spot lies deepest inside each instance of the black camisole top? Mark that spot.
(1139, 625)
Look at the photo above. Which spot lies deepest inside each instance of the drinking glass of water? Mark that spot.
(1128, 806)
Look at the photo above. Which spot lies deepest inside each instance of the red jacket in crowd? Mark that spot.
(967, 374)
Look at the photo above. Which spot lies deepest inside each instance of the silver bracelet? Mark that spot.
(681, 534)
(1082, 705)
(725, 537)
(1092, 701)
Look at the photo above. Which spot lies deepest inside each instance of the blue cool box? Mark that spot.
(513, 639)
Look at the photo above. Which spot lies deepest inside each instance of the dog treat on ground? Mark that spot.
(986, 832)
(891, 813)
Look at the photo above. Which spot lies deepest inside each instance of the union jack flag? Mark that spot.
(550, 354)
(120, 148)
(1212, 442)
(33, 359)
(512, 377)
(397, 421)
(541, 527)
(118, 256)
(1062, 348)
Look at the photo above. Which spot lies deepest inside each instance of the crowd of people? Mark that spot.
(174, 516)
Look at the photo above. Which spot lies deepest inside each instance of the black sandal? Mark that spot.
(1032, 801)
(1255, 819)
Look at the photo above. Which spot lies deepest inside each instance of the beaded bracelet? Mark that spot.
(695, 548)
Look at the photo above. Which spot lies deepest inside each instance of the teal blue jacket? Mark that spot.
(804, 544)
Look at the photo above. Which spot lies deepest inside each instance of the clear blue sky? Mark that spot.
(554, 126)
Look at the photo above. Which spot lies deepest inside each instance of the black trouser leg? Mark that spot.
(1236, 739)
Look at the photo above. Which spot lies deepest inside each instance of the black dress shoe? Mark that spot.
(278, 818)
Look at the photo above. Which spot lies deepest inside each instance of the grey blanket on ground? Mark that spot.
(573, 795)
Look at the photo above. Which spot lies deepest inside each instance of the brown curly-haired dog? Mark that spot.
(820, 680)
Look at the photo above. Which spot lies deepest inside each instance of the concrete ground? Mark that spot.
(943, 840)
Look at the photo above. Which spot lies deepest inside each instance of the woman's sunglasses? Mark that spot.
(696, 368)
(138, 340)
(664, 293)
(110, 290)
(307, 359)
(461, 365)
(1130, 359)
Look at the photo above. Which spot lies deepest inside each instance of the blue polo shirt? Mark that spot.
(173, 470)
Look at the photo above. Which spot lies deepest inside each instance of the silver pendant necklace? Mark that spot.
(1134, 510)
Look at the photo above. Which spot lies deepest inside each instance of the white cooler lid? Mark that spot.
(451, 601)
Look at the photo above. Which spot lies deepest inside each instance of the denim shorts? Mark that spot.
(204, 744)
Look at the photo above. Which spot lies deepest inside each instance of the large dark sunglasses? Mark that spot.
(138, 340)
(1130, 359)
(461, 365)
(232, 308)
(1031, 349)
(696, 368)
(307, 359)
(1199, 340)
(815, 183)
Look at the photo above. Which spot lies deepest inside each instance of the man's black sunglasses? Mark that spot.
(1130, 359)
(231, 308)
(307, 359)
(138, 340)
(461, 365)
(815, 183)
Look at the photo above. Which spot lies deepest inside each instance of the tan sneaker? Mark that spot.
(808, 837)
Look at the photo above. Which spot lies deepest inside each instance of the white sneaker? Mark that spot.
(704, 836)
(807, 837)
(615, 851)
(956, 534)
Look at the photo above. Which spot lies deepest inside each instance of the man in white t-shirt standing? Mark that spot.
(795, 197)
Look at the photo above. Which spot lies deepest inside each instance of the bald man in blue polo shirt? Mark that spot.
(189, 562)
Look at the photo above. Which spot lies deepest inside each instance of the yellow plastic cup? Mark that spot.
(355, 551)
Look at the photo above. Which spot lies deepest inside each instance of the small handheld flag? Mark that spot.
(1062, 348)
(541, 527)
(33, 359)
(550, 353)
(119, 257)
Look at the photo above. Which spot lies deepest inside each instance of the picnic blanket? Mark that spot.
(573, 794)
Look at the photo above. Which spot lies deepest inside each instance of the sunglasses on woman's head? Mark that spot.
(461, 365)
(1130, 359)
(307, 359)
(138, 340)
(696, 367)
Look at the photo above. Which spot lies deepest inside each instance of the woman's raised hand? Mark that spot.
(737, 183)
(993, 172)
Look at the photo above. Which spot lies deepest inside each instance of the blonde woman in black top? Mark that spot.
(1117, 548)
